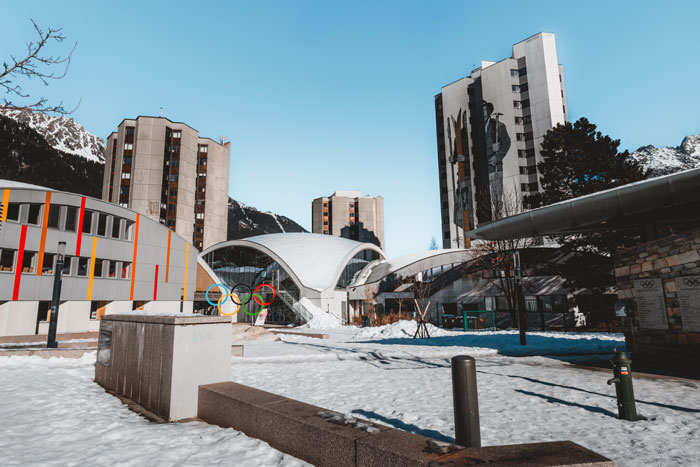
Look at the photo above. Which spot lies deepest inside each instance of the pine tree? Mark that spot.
(577, 161)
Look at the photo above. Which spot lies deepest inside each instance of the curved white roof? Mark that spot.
(315, 260)
(421, 261)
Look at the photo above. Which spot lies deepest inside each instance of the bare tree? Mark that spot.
(36, 63)
(421, 294)
(494, 258)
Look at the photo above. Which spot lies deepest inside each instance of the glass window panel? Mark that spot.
(83, 264)
(71, 218)
(7, 260)
(102, 225)
(34, 214)
(47, 266)
(54, 216)
(13, 212)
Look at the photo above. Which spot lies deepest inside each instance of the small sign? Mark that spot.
(260, 320)
(689, 298)
(651, 304)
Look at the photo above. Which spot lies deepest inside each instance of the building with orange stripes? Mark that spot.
(116, 260)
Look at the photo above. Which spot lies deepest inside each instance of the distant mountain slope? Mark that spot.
(246, 221)
(667, 160)
(61, 133)
(25, 156)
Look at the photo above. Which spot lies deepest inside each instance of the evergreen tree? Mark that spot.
(577, 161)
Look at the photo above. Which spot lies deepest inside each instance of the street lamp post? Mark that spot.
(55, 300)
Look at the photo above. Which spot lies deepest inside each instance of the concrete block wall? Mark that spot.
(666, 259)
(327, 438)
(158, 362)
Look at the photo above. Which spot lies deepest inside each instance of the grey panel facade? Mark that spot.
(490, 126)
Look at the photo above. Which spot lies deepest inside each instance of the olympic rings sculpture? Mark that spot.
(235, 294)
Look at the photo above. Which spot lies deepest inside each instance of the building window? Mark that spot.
(126, 175)
(522, 71)
(98, 267)
(87, 222)
(71, 218)
(177, 134)
(115, 227)
(128, 146)
(13, 212)
(517, 105)
(102, 225)
(199, 215)
(83, 264)
(54, 216)
(515, 87)
(202, 174)
(526, 103)
(352, 214)
(34, 214)
(325, 222)
(127, 160)
(28, 262)
(67, 263)
(7, 260)
(47, 266)
(112, 270)
(129, 131)
(203, 149)
(203, 161)
(446, 236)
(514, 73)
(171, 222)
(126, 270)
(172, 178)
(325, 232)
(563, 107)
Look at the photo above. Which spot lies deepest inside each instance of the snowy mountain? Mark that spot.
(246, 221)
(61, 133)
(667, 160)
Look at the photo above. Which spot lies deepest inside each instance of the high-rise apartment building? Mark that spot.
(167, 172)
(349, 214)
(490, 126)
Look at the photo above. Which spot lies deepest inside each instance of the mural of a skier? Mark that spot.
(497, 146)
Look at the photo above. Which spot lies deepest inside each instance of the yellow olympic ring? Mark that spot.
(236, 301)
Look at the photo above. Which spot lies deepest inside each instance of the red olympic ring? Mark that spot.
(255, 294)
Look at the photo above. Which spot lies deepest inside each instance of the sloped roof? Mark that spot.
(421, 261)
(315, 260)
(668, 199)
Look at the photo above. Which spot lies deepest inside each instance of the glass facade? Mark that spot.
(245, 265)
(356, 264)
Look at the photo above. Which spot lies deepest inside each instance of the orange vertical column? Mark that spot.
(44, 225)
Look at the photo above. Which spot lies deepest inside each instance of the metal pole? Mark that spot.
(466, 402)
(55, 299)
(520, 298)
(182, 300)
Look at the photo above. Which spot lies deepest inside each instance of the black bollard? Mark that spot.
(466, 402)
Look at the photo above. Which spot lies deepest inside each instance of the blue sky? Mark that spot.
(320, 96)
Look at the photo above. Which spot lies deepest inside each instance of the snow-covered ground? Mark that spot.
(53, 414)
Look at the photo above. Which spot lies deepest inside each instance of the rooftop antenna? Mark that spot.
(161, 112)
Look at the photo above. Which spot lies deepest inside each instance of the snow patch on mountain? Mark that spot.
(62, 133)
(668, 160)
(246, 221)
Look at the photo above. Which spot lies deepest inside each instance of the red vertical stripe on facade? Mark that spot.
(155, 285)
(133, 262)
(78, 241)
(20, 259)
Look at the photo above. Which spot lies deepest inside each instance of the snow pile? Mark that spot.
(321, 319)
(88, 359)
(398, 330)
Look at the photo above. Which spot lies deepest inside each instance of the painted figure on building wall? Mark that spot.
(497, 146)
(462, 178)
